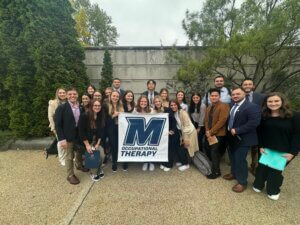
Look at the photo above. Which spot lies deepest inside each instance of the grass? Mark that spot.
(5, 136)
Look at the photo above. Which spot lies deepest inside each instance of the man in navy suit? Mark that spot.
(116, 85)
(66, 124)
(258, 99)
(243, 121)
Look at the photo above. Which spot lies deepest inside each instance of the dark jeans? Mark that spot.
(273, 178)
(213, 153)
(239, 165)
(201, 141)
(176, 150)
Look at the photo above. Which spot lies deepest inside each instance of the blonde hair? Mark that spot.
(56, 95)
(118, 108)
(161, 101)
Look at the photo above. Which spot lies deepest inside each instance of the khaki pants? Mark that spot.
(69, 153)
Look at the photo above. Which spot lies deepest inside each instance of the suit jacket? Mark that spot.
(246, 120)
(65, 123)
(122, 92)
(146, 93)
(219, 118)
(258, 98)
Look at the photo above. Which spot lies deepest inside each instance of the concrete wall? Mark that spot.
(134, 66)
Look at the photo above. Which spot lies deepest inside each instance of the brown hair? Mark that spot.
(284, 111)
(176, 102)
(166, 90)
(139, 109)
(91, 115)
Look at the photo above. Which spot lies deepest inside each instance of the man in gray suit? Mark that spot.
(258, 99)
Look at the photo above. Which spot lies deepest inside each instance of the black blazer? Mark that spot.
(85, 133)
(246, 120)
(65, 123)
(146, 93)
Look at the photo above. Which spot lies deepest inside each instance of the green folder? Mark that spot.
(273, 159)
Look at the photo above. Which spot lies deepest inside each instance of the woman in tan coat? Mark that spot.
(188, 138)
(60, 98)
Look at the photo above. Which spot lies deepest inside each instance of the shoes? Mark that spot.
(82, 169)
(73, 180)
(125, 167)
(178, 164)
(213, 175)
(274, 197)
(145, 167)
(239, 188)
(229, 176)
(96, 177)
(162, 166)
(114, 168)
(63, 162)
(151, 167)
(184, 167)
(166, 169)
(256, 190)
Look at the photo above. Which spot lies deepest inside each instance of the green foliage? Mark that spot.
(250, 41)
(107, 72)
(40, 42)
(93, 25)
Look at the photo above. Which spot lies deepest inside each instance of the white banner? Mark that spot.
(143, 137)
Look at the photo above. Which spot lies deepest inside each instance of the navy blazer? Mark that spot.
(258, 98)
(246, 120)
(65, 123)
(146, 93)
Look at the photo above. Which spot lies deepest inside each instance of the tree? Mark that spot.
(93, 25)
(257, 40)
(107, 72)
(40, 44)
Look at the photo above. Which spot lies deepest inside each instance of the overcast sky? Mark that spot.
(146, 22)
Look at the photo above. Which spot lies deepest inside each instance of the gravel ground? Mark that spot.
(35, 191)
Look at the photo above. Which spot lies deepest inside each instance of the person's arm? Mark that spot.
(51, 113)
(202, 115)
(254, 115)
(222, 119)
(295, 141)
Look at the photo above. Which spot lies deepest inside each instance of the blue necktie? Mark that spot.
(231, 118)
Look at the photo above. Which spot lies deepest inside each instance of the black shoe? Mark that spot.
(97, 177)
(213, 175)
(114, 168)
(125, 167)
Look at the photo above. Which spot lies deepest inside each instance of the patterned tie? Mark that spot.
(231, 118)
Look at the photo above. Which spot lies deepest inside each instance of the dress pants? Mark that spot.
(69, 152)
(213, 153)
(113, 140)
(273, 178)
(239, 165)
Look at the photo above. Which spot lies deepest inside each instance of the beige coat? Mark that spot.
(53, 104)
(189, 132)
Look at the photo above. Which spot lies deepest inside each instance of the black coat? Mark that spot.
(65, 124)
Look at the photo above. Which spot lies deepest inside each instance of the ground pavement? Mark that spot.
(35, 191)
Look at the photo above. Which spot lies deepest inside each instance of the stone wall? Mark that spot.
(134, 66)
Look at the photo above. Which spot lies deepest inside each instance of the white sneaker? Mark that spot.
(63, 162)
(178, 164)
(145, 167)
(256, 190)
(151, 167)
(274, 197)
(166, 169)
(184, 167)
(162, 166)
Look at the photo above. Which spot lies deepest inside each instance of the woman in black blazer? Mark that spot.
(91, 131)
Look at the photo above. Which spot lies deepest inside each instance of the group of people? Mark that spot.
(236, 119)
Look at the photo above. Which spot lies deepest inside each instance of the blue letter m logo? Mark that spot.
(142, 133)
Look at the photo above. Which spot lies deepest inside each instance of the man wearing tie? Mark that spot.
(150, 93)
(243, 120)
(256, 98)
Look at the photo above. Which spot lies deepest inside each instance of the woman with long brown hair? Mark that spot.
(92, 131)
(279, 132)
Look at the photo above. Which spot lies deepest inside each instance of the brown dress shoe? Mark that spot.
(73, 180)
(239, 188)
(229, 176)
(82, 169)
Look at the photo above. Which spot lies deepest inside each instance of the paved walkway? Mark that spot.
(35, 191)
